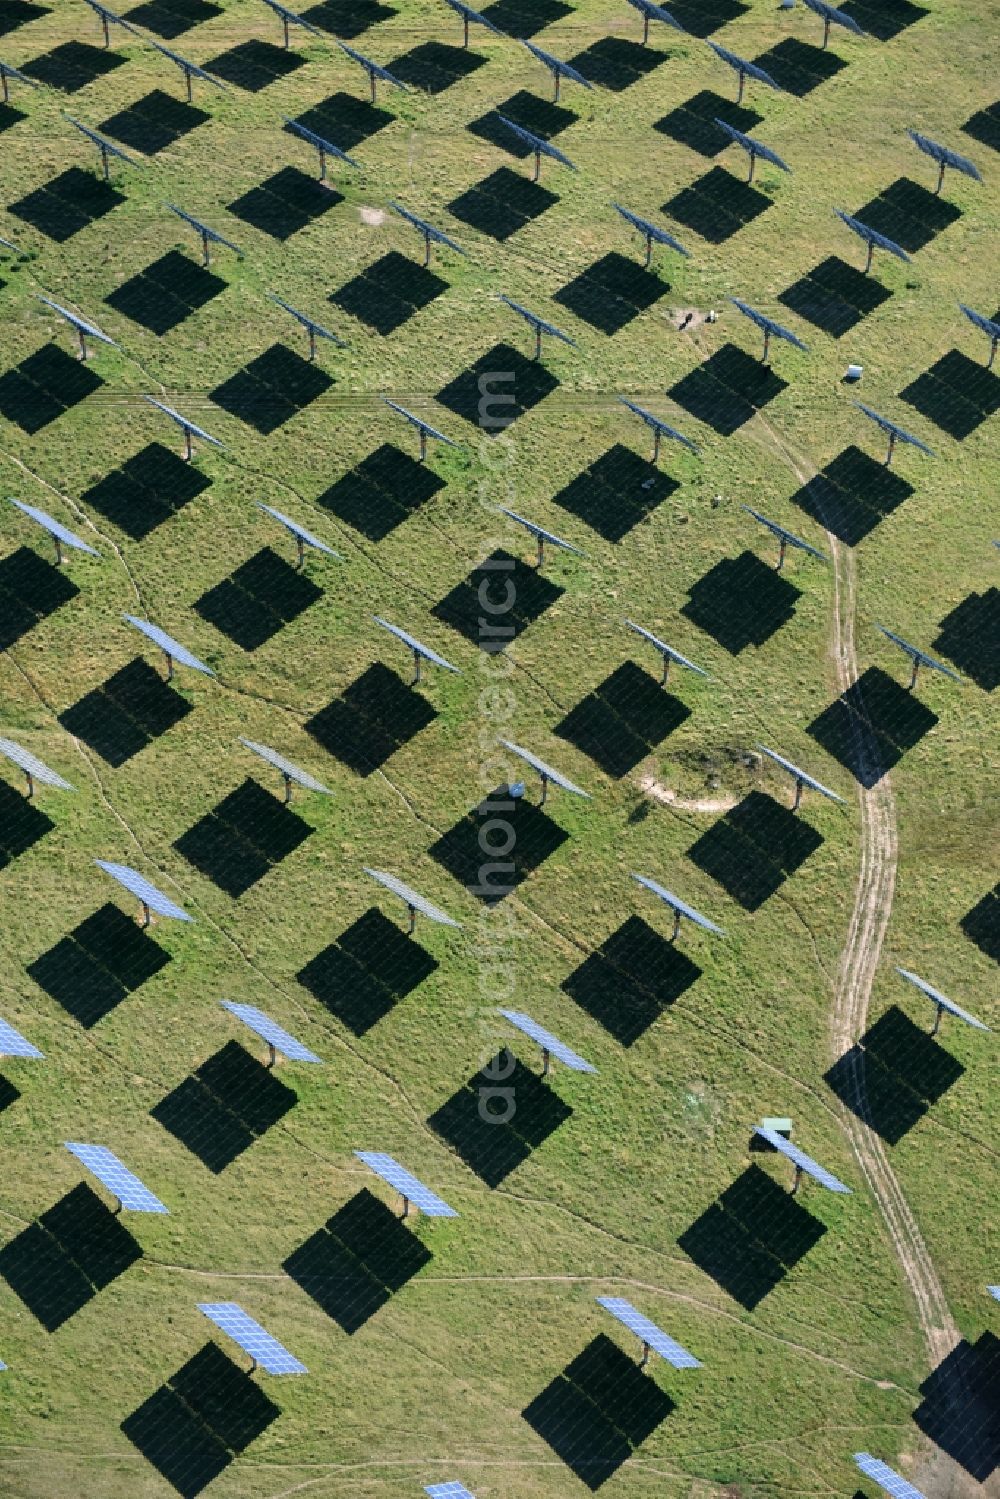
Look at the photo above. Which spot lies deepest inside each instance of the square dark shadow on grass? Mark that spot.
(623, 720)
(43, 386)
(970, 638)
(344, 121)
(702, 17)
(799, 66)
(223, 1106)
(522, 18)
(541, 116)
(166, 292)
(387, 294)
(257, 600)
(9, 116)
(883, 19)
(271, 389)
(492, 611)
(693, 122)
(871, 725)
(984, 126)
(21, 824)
(72, 65)
(501, 386)
(285, 203)
(892, 1075)
(67, 204)
(960, 1409)
(497, 844)
(596, 1414)
(365, 973)
(502, 204)
(373, 718)
(153, 122)
(357, 1261)
(611, 292)
(955, 393)
(750, 1238)
(191, 1427)
(30, 590)
(616, 492)
(347, 18)
(254, 65)
(982, 924)
(717, 206)
(241, 839)
(741, 602)
(499, 1117)
(15, 13)
(147, 490)
(434, 67)
(834, 296)
(908, 213)
(8, 1093)
(753, 849)
(90, 971)
(59, 1263)
(122, 716)
(727, 389)
(631, 979)
(171, 18)
(615, 63)
(852, 495)
(381, 491)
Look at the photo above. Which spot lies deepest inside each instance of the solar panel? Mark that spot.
(35, 769)
(416, 646)
(452, 1489)
(271, 1032)
(652, 12)
(557, 66)
(887, 1478)
(13, 1044)
(182, 422)
(831, 14)
(539, 531)
(427, 230)
(872, 237)
(944, 156)
(987, 325)
(406, 1185)
(468, 14)
(994, 1292)
(802, 1161)
(651, 231)
(752, 147)
(137, 885)
(7, 70)
(918, 656)
(55, 528)
(422, 427)
(120, 1182)
(789, 538)
(895, 432)
(289, 17)
(85, 329)
(537, 322)
(679, 907)
(651, 1335)
(203, 229)
(3, 1366)
(744, 68)
(538, 144)
(316, 330)
(189, 69)
(168, 645)
(325, 147)
(107, 15)
(237, 1324)
(547, 1041)
(107, 148)
(941, 1001)
(293, 772)
(767, 325)
(801, 776)
(9, 244)
(414, 900)
(299, 532)
(373, 69)
(545, 771)
(664, 649)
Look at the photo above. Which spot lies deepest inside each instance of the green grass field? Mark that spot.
(432, 1387)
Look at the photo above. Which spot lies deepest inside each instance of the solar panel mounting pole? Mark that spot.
(892, 446)
(538, 173)
(465, 19)
(423, 434)
(146, 914)
(743, 78)
(170, 666)
(782, 549)
(538, 335)
(412, 909)
(871, 254)
(545, 789)
(644, 1359)
(677, 915)
(796, 1181)
(104, 23)
(31, 784)
(288, 788)
(767, 345)
(272, 1057)
(104, 162)
(645, 27)
(416, 657)
(284, 22)
(799, 784)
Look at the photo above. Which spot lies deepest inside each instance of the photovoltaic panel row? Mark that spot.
(648, 1332)
(406, 1185)
(120, 1182)
(265, 1350)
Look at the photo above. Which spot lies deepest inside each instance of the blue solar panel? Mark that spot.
(886, 1477)
(190, 68)
(538, 322)
(183, 422)
(287, 768)
(893, 429)
(657, 423)
(545, 771)
(203, 229)
(55, 528)
(169, 645)
(656, 13)
(300, 532)
(556, 65)
(751, 146)
(271, 1032)
(916, 654)
(419, 423)
(453, 1489)
(536, 142)
(468, 14)
(120, 1182)
(994, 1292)
(290, 17)
(321, 144)
(767, 324)
(801, 1160)
(666, 650)
(741, 65)
(427, 230)
(547, 1041)
(414, 644)
(107, 148)
(143, 891)
(374, 69)
(315, 328)
(830, 13)
(3, 1366)
(237, 1324)
(78, 322)
(13, 1044)
(788, 537)
(678, 906)
(944, 155)
(406, 1185)
(989, 326)
(648, 1331)
(872, 236)
(800, 775)
(539, 531)
(414, 900)
(941, 1000)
